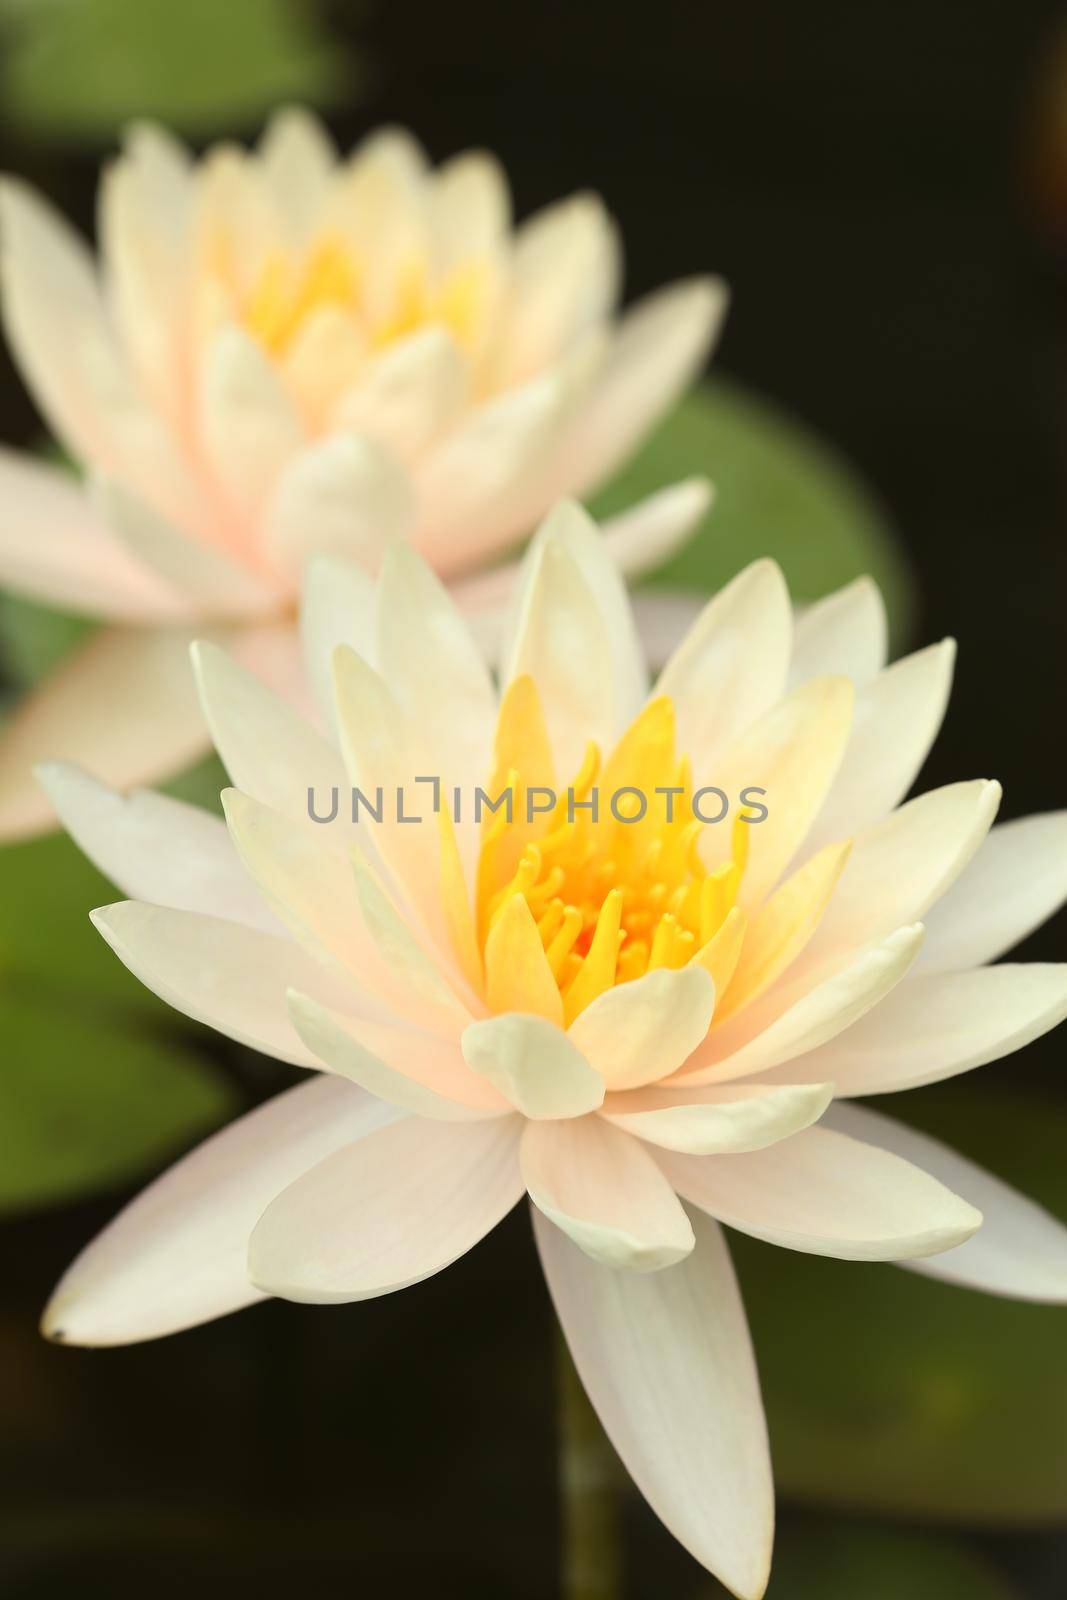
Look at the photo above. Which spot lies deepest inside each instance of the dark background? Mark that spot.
(882, 187)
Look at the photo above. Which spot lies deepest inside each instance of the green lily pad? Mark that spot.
(77, 69)
(891, 1392)
(780, 491)
(87, 1101)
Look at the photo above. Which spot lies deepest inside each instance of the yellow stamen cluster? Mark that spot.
(289, 288)
(612, 899)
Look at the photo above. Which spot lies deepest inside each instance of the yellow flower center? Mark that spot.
(289, 289)
(609, 871)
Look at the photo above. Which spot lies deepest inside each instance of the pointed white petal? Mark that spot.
(337, 607)
(898, 869)
(828, 1195)
(777, 1028)
(562, 641)
(1019, 1251)
(718, 1120)
(660, 347)
(248, 424)
(177, 1256)
(605, 1192)
(636, 1033)
(564, 280)
(431, 663)
(651, 531)
(297, 158)
(269, 750)
(1016, 880)
(731, 666)
(846, 633)
(666, 1359)
(344, 496)
(937, 1025)
(534, 1065)
(409, 393)
(407, 1066)
(895, 722)
(229, 976)
(399, 1206)
(155, 848)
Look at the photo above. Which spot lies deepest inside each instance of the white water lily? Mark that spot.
(278, 353)
(639, 1024)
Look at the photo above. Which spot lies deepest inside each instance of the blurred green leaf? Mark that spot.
(888, 1391)
(46, 937)
(780, 492)
(34, 638)
(86, 1101)
(815, 1560)
(76, 69)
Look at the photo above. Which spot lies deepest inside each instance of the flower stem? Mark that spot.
(590, 1558)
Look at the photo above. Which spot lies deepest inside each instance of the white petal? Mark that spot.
(385, 755)
(475, 486)
(387, 1212)
(344, 496)
(409, 393)
(776, 1028)
(54, 547)
(177, 1256)
(155, 848)
(534, 1065)
(642, 536)
(660, 347)
(898, 869)
(56, 323)
(845, 633)
(666, 1359)
(790, 757)
(144, 228)
(407, 1066)
(427, 656)
(719, 1120)
(935, 1026)
(828, 1195)
(562, 641)
(895, 721)
(310, 888)
(731, 666)
(572, 528)
(470, 209)
(639, 1032)
(337, 607)
(1020, 1250)
(248, 425)
(124, 707)
(215, 583)
(229, 976)
(605, 1192)
(1017, 879)
(565, 273)
(268, 749)
(297, 158)
(653, 530)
